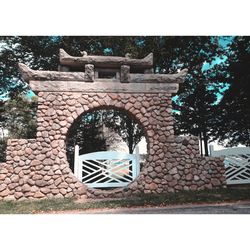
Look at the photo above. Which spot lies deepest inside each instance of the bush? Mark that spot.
(3, 145)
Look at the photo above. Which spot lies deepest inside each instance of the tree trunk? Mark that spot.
(130, 135)
(201, 147)
(205, 139)
(130, 149)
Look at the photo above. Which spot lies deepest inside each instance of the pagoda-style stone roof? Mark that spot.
(106, 61)
(102, 74)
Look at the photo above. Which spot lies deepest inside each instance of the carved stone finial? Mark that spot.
(182, 75)
(83, 53)
(128, 55)
(184, 71)
(25, 72)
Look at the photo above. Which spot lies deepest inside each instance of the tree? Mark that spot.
(37, 52)
(3, 142)
(18, 117)
(232, 125)
(196, 102)
(85, 132)
(130, 130)
(196, 113)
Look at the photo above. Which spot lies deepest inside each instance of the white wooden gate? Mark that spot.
(106, 168)
(237, 164)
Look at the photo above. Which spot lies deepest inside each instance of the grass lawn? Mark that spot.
(50, 205)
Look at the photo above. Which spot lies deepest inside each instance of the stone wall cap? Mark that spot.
(42, 75)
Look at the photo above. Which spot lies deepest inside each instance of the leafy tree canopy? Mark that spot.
(18, 116)
(232, 123)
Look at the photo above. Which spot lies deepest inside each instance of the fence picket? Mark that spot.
(237, 164)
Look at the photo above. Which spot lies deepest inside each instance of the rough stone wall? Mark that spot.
(35, 170)
(38, 168)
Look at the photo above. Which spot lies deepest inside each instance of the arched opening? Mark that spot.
(119, 139)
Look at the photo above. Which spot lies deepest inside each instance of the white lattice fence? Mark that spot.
(106, 168)
(237, 164)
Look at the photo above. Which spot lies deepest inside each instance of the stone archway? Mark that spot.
(103, 116)
(38, 168)
(57, 117)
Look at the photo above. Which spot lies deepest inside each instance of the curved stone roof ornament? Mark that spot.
(42, 75)
(105, 73)
(84, 53)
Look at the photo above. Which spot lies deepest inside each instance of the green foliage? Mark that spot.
(195, 106)
(232, 124)
(18, 116)
(37, 52)
(196, 114)
(85, 132)
(3, 141)
(3, 145)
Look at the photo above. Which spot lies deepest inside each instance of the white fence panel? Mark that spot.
(106, 168)
(237, 164)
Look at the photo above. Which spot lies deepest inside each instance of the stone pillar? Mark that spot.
(89, 73)
(125, 71)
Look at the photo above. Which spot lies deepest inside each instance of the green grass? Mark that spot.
(183, 197)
